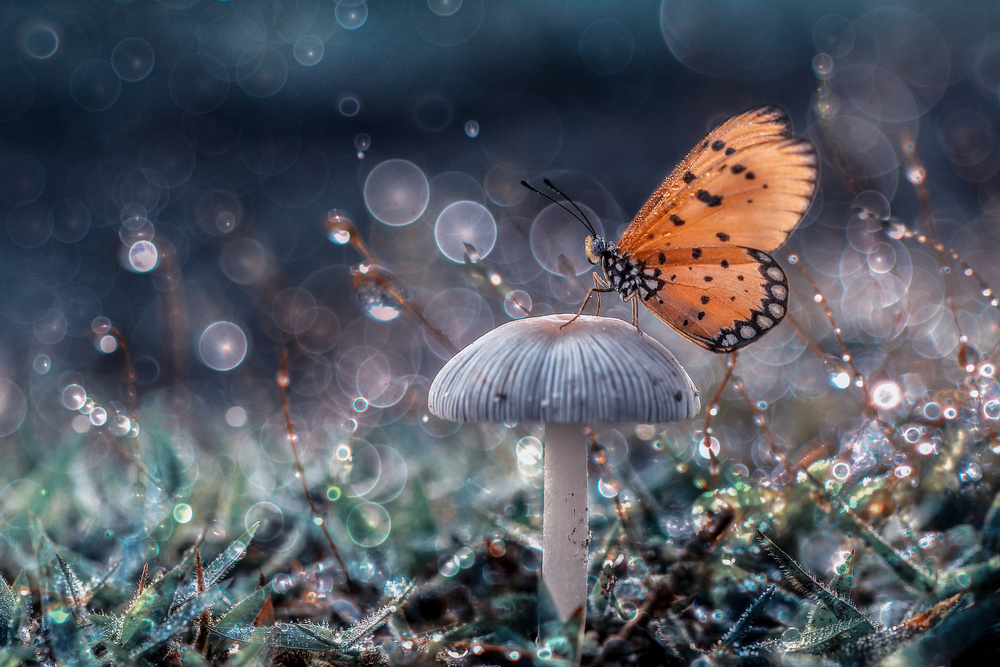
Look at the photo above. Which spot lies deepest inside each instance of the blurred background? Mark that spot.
(168, 171)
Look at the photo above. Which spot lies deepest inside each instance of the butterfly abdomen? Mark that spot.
(630, 277)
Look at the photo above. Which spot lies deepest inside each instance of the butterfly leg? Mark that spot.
(635, 314)
(600, 287)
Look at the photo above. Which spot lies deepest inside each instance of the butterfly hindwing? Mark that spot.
(721, 297)
(747, 183)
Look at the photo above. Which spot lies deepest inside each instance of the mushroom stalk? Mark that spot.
(565, 529)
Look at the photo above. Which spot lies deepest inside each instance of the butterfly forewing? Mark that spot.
(747, 183)
(721, 297)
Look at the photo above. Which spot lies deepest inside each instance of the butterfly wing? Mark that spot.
(719, 296)
(748, 183)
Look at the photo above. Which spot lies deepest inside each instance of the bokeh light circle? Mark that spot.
(39, 41)
(271, 518)
(169, 154)
(222, 346)
(432, 113)
(444, 7)
(41, 364)
(557, 240)
(351, 16)
(142, 256)
(308, 50)
(465, 222)
(94, 85)
(196, 87)
(261, 71)
(49, 326)
(218, 212)
(22, 179)
(396, 192)
(244, 261)
(73, 397)
(29, 226)
(70, 220)
(833, 34)
(368, 524)
(721, 38)
(133, 59)
(227, 37)
(349, 106)
(447, 23)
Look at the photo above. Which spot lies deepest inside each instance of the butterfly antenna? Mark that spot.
(579, 216)
(565, 196)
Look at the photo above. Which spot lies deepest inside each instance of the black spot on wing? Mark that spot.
(688, 177)
(676, 219)
(705, 299)
(718, 145)
(722, 237)
(730, 150)
(737, 169)
(708, 198)
(696, 253)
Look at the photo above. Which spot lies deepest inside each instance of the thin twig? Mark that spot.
(293, 439)
(712, 405)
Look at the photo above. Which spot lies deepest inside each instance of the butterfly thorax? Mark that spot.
(625, 275)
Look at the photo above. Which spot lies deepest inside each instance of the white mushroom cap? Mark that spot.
(596, 370)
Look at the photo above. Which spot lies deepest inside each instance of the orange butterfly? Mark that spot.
(697, 253)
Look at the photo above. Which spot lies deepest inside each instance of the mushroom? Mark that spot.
(564, 372)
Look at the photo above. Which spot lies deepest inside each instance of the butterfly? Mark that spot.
(698, 253)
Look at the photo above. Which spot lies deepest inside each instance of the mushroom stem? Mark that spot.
(565, 529)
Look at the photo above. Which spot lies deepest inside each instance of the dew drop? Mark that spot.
(74, 397)
(98, 416)
(916, 175)
(707, 449)
(119, 425)
(41, 364)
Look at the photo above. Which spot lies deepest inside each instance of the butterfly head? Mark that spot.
(597, 247)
